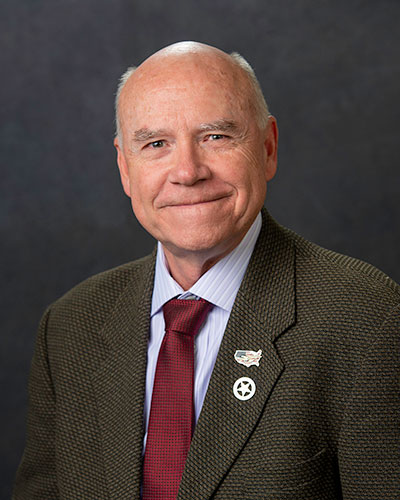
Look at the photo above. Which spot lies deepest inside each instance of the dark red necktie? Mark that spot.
(171, 421)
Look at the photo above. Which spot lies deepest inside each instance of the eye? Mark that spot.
(216, 137)
(156, 144)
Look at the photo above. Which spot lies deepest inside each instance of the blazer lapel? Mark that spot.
(119, 386)
(263, 309)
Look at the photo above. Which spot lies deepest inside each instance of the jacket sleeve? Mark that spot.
(369, 445)
(36, 476)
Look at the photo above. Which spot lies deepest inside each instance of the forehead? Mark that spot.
(190, 87)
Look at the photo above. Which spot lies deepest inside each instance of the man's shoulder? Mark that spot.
(335, 266)
(100, 291)
(321, 267)
(327, 280)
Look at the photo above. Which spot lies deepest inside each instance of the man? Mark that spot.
(296, 369)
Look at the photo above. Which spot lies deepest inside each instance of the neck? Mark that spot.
(187, 268)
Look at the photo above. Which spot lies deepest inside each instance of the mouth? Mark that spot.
(194, 202)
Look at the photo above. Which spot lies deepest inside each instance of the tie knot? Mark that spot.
(185, 316)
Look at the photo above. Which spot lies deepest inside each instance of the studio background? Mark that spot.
(330, 71)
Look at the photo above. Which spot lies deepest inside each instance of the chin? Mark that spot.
(205, 242)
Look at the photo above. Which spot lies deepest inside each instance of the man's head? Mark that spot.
(196, 147)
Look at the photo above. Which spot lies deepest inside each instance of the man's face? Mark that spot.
(193, 160)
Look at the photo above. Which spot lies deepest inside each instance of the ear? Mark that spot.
(123, 168)
(271, 148)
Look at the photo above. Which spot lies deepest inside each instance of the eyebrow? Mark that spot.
(222, 125)
(144, 134)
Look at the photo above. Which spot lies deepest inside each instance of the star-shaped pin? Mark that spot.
(244, 388)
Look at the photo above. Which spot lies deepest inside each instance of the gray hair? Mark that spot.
(259, 103)
(121, 84)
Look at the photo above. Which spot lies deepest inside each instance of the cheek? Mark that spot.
(142, 208)
(143, 185)
(249, 173)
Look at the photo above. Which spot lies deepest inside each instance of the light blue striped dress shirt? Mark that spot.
(219, 285)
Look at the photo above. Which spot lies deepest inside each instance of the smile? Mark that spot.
(192, 203)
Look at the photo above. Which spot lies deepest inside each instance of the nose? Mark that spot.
(187, 165)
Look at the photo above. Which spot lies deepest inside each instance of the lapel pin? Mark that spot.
(244, 388)
(248, 358)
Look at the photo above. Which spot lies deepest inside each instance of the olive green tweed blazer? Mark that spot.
(323, 424)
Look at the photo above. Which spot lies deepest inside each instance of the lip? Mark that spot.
(192, 203)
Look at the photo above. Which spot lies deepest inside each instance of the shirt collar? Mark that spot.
(219, 285)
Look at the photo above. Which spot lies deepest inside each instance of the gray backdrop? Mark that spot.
(330, 71)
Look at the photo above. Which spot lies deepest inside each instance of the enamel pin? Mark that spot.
(248, 358)
(244, 388)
